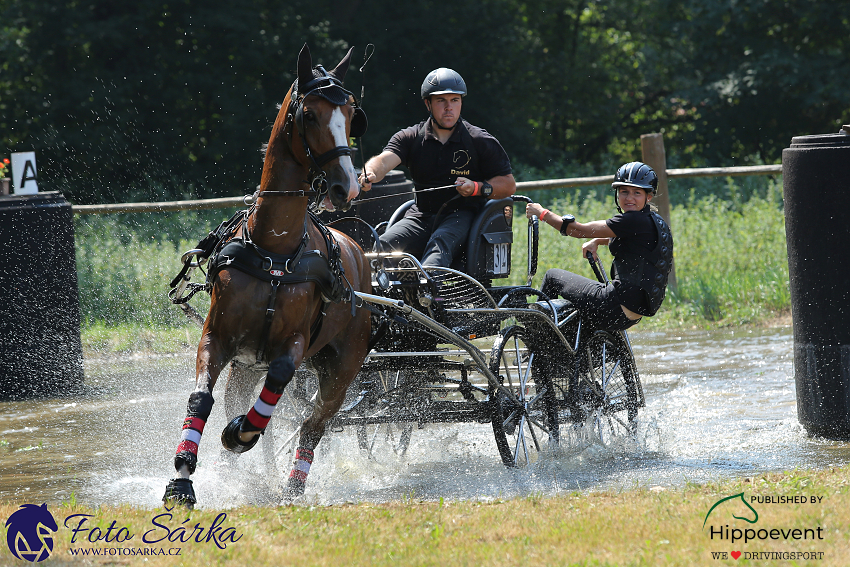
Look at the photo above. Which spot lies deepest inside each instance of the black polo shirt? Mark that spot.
(470, 152)
(638, 227)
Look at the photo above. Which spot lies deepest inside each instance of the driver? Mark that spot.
(444, 150)
(641, 243)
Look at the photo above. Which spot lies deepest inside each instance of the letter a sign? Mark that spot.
(23, 173)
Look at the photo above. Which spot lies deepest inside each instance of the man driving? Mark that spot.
(443, 151)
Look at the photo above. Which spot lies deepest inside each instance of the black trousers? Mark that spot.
(413, 235)
(597, 302)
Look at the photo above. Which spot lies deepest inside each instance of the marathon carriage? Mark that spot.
(298, 308)
(448, 346)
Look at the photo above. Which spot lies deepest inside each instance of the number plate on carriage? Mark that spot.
(500, 258)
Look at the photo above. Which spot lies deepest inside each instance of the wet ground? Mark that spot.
(719, 404)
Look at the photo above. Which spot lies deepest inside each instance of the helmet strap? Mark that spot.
(437, 124)
(433, 120)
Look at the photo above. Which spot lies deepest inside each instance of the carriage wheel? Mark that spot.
(377, 440)
(283, 431)
(609, 387)
(525, 424)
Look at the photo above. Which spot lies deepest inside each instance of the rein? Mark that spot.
(411, 192)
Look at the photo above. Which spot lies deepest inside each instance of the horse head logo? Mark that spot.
(29, 533)
(733, 497)
(461, 159)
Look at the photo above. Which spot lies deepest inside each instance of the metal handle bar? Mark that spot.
(597, 266)
(533, 241)
(599, 270)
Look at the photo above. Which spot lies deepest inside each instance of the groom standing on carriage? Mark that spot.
(444, 150)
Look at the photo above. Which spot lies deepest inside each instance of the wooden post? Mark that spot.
(652, 150)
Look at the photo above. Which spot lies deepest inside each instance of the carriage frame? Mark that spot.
(448, 346)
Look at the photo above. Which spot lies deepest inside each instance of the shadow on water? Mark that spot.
(719, 404)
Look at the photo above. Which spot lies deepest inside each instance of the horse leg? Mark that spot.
(209, 365)
(335, 373)
(237, 398)
(237, 393)
(243, 432)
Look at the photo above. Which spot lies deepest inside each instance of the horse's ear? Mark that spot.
(342, 68)
(305, 66)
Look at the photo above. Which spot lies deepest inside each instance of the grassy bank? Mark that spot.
(731, 264)
(642, 527)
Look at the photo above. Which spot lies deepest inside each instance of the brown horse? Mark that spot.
(282, 287)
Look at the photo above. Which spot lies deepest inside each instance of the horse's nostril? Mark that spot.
(339, 196)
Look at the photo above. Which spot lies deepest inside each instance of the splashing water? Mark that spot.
(718, 404)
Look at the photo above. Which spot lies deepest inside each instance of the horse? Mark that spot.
(282, 288)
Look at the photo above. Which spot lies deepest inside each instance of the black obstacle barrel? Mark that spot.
(816, 179)
(379, 204)
(40, 348)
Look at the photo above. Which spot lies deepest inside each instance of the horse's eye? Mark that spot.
(309, 115)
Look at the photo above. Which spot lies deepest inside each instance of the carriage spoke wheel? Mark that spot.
(525, 422)
(378, 440)
(610, 386)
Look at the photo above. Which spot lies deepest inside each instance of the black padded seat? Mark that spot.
(478, 257)
(562, 307)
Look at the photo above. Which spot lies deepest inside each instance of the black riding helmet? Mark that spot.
(443, 81)
(635, 174)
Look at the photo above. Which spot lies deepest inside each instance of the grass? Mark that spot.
(730, 260)
(646, 526)
(730, 257)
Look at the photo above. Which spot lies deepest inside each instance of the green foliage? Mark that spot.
(730, 259)
(760, 72)
(154, 100)
(731, 263)
(125, 263)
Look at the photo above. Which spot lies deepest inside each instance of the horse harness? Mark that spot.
(302, 266)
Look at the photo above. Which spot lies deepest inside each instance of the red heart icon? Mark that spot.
(736, 554)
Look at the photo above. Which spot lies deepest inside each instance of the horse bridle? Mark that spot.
(316, 176)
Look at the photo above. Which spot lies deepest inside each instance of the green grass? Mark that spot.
(645, 526)
(730, 259)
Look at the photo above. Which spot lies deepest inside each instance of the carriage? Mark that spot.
(335, 337)
(449, 346)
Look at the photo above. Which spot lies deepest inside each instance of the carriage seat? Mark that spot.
(562, 307)
(486, 255)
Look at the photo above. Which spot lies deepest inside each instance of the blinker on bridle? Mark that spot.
(316, 176)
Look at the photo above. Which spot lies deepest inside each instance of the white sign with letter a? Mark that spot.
(24, 178)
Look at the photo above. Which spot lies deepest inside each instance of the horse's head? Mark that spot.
(320, 116)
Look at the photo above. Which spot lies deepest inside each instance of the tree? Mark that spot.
(125, 101)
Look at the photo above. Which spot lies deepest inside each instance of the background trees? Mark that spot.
(173, 98)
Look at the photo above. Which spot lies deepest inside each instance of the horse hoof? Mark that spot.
(230, 437)
(294, 489)
(179, 491)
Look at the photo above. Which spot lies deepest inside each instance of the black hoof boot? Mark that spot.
(294, 488)
(179, 491)
(230, 436)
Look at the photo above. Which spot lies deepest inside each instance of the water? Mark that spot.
(719, 404)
